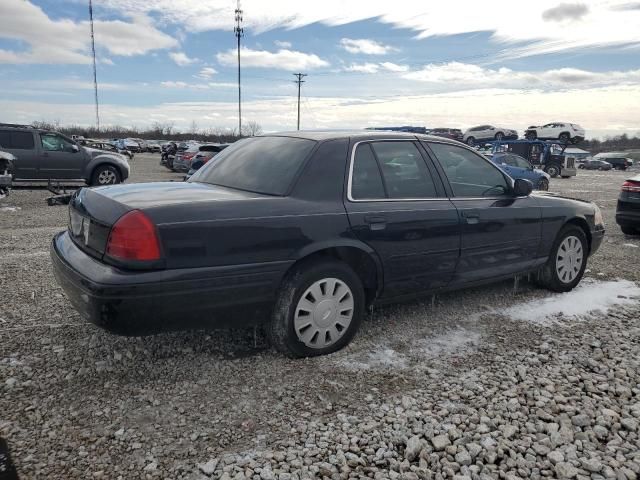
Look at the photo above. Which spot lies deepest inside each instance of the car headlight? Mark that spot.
(597, 217)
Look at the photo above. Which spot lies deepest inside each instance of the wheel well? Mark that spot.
(360, 261)
(564, 133)
(582, 224)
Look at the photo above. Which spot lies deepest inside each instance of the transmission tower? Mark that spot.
(95, 75)
(239, 33)
(299, 81)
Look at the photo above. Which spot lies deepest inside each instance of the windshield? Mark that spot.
(258, 164)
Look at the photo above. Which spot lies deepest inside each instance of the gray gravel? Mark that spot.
(449, 387)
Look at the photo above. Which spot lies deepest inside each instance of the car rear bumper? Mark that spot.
(147, 302)
(628, 213)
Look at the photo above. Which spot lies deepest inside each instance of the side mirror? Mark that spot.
(522, 187)
(75, 148)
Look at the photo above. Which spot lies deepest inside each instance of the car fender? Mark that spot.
(105, 158)
(316, 247)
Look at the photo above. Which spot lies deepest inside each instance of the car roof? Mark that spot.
(360, 135)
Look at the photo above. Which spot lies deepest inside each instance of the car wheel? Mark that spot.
(471, 141)
(567, 261)
(564, 137)
(531, 136)
(105, 175)
(581, 167)
(543, 185)
(553, 170)
(629, 230)
(499, 136)
(318, 310)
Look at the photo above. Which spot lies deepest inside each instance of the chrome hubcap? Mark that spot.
(106, 177)
(569, 259)
(324, 313)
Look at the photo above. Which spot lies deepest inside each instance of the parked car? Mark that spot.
(628, 210)
(452, 133)
(182, 158)
(153, 147)
(594, 164)
(617, 162)
(107, 147)
(488, 132)
(563, 131)
(272, 231)
(517, 167)
(42, 155)
(7, 162)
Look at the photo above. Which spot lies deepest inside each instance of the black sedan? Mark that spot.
(303, 231)
(628, 211)
(595, 165)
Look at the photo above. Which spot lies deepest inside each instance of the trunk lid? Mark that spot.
(93, 211)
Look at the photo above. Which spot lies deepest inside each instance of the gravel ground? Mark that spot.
(463, 385)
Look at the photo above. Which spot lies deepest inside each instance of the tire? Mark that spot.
(105, 175)
(558, 276)
(601, 169)
(553, 170)
(566, 176)
(581, 167)
(629, 230)
(471, 141)
(286, 330)
(499, 136)
(543, 185)
(565, 137)
(531, 136)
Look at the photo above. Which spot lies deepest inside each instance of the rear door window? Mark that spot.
(404, 170)
(366, 180)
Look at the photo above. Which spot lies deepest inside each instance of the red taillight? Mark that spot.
(134, 237)
(631, 186)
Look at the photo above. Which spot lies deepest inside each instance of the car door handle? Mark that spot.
(375, 222)
(472, 216)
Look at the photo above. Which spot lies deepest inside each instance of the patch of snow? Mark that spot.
(382, 357)
(454, 342)
(10, 209)
(630, 245)
(590, 296)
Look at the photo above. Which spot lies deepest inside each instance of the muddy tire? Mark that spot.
(318, 310)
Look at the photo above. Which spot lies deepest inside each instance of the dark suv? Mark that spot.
(42, 155)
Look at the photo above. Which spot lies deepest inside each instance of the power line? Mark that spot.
(299, 81)
(239, 32)
(95, 74)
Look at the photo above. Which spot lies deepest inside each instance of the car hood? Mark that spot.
(552, 195)
(7, 156)
(94, 152)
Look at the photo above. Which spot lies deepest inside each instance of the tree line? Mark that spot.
(157, 131)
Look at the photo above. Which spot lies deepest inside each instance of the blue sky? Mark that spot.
(455, 63)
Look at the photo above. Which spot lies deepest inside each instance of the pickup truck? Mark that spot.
(44, 156)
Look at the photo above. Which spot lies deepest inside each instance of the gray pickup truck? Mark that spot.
(43, 156)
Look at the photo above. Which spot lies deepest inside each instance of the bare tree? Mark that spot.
(251, 129)
(194, 127)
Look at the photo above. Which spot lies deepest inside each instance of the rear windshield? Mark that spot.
(259, 164)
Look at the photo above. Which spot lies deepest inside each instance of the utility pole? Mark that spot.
(239, 32)
(299, 81)
(95, 75)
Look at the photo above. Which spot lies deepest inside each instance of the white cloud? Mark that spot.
(455, 75)
(174, 84)
(206, 73)
(369, 67)
(366, 46)
(282, 59)
(181, 58)
(67, 42)
(606, 24)
(394, 67)
(196, 86)
(363, 67)
(282, 44)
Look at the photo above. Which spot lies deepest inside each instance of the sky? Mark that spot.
(454, 64)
